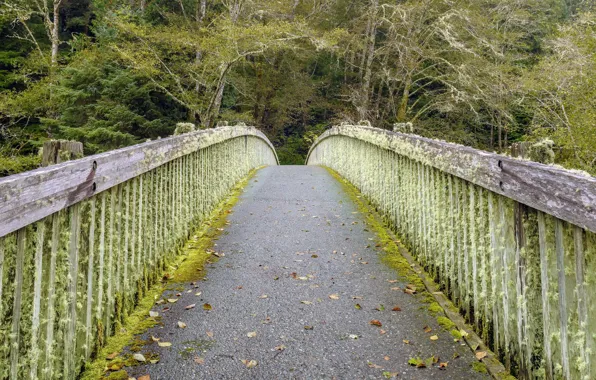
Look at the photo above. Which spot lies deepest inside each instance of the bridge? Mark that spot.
(387, 255)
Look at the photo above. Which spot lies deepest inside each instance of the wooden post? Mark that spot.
(57, 151)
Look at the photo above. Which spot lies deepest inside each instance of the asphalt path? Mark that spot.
(294, 295)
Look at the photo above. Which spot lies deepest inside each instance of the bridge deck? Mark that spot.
(297, 222)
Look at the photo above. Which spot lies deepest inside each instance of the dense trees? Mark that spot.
(480, 72)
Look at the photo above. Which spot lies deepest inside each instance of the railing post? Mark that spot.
(57, 151)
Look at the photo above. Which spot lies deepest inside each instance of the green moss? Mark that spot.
(118, 375)
(479, 367)
(456, 334)
(187, 267)
(435, 308)
(446, 323)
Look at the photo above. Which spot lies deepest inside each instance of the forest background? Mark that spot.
(484, 73)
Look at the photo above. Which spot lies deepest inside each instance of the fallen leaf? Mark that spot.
(308, 327)
(334, 296)
(239, 287)
(392, 281)
(376, 322)
(155, 339)
(210, 334)
(116, 367)
(182, 325)
(281, 347)
(434, 337)
(443, 365)
(481, 355)
(293, 275)
(427, 329)
(251, 334)
(389, 375)
(380, 308)
(172, 300)
(353, 336)
(357, 306)
(199, 360)
(406, 341)
(144, 377)
(164, 344)
(306, 302)
(411, 287)
(409, 291)
(314, 256)
(463, 333)
(154, 361)
(382, 332)
(372, 365)
(139, 357)
(249, 363)
(207, 306)
(263, 296)
(266, 321)
(396, 288)
(166, 308)
(153, 314)
(417, 362)
(357, 297)
(198, 294)
(191, 306)
(112, 355)
(386, 358)
(303, 278)
(397, 308)
(159, 302)
(179, 295)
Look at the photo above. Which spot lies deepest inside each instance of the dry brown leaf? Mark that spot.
(144, 377)
(443, 365)
(481, 355)
(199, 360)
(334, 296)
(382, 332)
(207, 306)
(386, 358)
(397, 308)
(267, 321)
(392, 281)
(427, 329)
(372, 365)
(409, 291)
(396, 288)
(249, 363)
(376, 322)
(406, 341)
(112, 355)
(210, 334)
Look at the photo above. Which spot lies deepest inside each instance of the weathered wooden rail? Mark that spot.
(512, 242)
(81, 241)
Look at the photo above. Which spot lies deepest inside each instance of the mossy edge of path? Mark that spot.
(397, 257)
(188, 266)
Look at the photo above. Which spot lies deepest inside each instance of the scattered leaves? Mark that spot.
(417, 362)
(209, 334)
(376, 322)
(198, 294)
(382, 332)
(181, 325)
(207, 307)
(251, 334)
(164, 344)
(112, 355)
(139, 357)
(387, 358)
(372, 365)
(434, 337)
(172, 300)
(481, 355)
(155, 339)
(192, 306)
(380, 308)
(427, 329)
(406, 341)
(334, 296)
(357, 306)
(144, 377)
(443, 365)
(397, 308)
(199, 360)
(396, 288)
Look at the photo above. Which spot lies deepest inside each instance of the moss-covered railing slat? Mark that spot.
(81, 241)
(512, 242)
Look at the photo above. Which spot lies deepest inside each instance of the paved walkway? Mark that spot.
(298, 259)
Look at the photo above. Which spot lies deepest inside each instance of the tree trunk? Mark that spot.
(402, 111)
(55, 32)
(365, 91)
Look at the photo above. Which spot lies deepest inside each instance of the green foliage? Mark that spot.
(481, 73)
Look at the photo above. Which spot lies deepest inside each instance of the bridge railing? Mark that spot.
(512, 242)
(81, 241)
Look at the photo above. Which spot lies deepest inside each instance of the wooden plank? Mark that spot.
(28, 197)
(565, 194)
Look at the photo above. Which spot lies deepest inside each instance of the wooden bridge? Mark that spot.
(512, 243)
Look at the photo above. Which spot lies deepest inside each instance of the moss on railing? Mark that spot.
(68, 281)
(525, 279)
